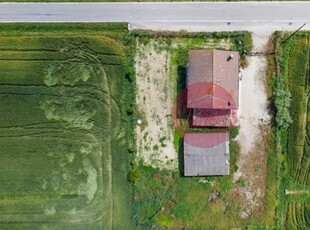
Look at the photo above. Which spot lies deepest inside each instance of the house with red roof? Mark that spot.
(213, 87)
(213, 97)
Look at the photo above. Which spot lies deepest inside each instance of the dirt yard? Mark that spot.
(155, 101)
(253, 119)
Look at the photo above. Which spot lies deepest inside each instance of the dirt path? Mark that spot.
(253, 119)
(253, 98)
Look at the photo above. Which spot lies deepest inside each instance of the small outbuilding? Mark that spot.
(206, 154)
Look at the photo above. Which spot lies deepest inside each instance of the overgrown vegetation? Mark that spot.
(165, 198)
(282, 102)
(293, 146)
(66, 128)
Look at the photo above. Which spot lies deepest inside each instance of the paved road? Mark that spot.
(164, 15)
(120, 12)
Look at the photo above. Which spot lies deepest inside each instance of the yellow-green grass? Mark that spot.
(294, 61)
(63, 139)
(298, 136)
(298, 215)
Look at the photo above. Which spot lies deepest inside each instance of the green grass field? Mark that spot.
(298, 138)
(64, 106)
(294, 59)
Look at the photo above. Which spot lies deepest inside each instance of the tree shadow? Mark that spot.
(181, 158)
(181, 74)
(272, 110)
(182, 111)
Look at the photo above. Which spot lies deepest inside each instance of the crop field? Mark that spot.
(299, 142)
(295, 66)
(63, 138)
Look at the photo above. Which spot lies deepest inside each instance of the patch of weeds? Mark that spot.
(225, 184)
(234, 149)
(155, 147)
(145, 136)
(162, 140)
(241, 182)
(257, 168)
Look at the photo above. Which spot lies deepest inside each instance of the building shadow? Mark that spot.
(182, 111)
(181, 73)
(181, 157)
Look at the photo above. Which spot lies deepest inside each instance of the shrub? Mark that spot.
(165, 220)
(282, 102)
(133, 175)
(234, 132)
(155, 147)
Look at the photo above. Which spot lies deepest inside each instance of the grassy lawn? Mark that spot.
(65, 108)
(293, 58)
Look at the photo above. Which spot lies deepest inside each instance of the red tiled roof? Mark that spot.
(214, 117)
(213, 79)
(205, 140)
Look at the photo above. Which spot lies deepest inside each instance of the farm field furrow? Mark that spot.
(63, 144)
(298, 138)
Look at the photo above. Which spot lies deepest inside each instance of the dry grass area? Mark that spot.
(154, 102)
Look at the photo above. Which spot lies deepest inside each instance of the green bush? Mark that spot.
(133, 175)
(282, 102)
(234, 132)
(155, 147)
(165, 220)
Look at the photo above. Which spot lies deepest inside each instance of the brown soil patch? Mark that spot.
(154, 101)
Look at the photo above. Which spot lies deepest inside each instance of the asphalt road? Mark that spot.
(163, 15)
(127, 12)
